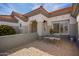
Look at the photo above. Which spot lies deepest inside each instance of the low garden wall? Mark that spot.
(11, 41)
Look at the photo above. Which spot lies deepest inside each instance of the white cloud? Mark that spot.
(36, 6)
(6, 9)
(51, 7)
(55, 6)
(48, 6)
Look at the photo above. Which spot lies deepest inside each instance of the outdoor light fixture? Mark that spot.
(44, 21)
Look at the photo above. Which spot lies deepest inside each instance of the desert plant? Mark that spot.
(6, 30)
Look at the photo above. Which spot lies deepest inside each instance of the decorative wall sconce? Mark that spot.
(44, 21)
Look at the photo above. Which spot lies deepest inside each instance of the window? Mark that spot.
(60, 27)
(56, 27)
(65, 28)
(20, 25)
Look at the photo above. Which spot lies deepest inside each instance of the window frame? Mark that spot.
(64, 23)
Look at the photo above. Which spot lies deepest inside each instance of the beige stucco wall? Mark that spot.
(63, 17)
(60, 17)
(24, 27)
(40, 18)
(11, 41)
(8, 23)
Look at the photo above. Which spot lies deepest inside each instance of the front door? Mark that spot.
(34, 26)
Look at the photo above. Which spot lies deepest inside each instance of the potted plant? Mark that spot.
(51, 30)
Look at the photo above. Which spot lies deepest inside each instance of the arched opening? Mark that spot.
(33, 26)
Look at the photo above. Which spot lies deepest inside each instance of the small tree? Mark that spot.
(6, 30)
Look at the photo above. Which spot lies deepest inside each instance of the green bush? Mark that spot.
(6, 30)
(51, 30)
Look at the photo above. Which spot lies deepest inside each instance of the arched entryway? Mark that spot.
(34, 26)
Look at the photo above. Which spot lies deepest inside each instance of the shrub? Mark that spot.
(6, 30)
(51, 30)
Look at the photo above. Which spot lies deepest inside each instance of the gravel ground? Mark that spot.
(46, 48)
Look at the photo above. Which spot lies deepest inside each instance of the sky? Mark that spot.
(7, 8)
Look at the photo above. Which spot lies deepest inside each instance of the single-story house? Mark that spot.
(62, 22)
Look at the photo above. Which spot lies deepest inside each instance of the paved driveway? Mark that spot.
(46, 48)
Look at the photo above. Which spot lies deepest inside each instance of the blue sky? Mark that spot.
(7, 8)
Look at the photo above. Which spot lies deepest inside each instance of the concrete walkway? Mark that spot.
(46, 48)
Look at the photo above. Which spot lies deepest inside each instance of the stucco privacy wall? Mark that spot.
(14, 25)
(11, 41)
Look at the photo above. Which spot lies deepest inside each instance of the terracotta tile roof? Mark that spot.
(11, 18)
(19, 16)
(37, 11)
(61, 11)
(8, 18)
(49, 14)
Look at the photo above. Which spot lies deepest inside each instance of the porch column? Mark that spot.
(78, 26)
(40, 28)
